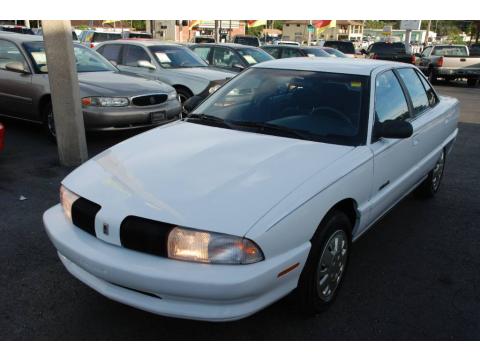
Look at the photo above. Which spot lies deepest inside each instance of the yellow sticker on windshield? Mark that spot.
(356, 84)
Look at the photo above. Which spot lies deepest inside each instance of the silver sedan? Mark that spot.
(110, 100)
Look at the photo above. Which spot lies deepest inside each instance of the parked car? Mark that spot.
(249, 40)
(110, 100)
(390, 51)
(233, 57)
(346, 47)
(136, 35)
(287, 51)
(74, 34)
(449, 62)
(334, 52)
(263, 189)
(2, 136)
(19, 29)
(203, 39)
(286, 42)
(92, 38)
(170, 63)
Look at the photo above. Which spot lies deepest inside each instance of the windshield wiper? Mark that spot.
(208, 120)
(272, 128)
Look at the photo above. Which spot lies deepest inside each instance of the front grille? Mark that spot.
(145, 235)
(149, 100)
(83, 214)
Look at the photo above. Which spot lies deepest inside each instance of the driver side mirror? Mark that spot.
(16, 66)
(191, 103)
(393, 129)
(145, 64)
(238, 67)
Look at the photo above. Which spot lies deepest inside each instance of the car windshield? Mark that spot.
(87, 60)
(316, 106)
(174, 57)
(315, 52)
(344, 46)
(247, 40)
(254, 56)
(335, 52)
(450, 51)
(139, 36)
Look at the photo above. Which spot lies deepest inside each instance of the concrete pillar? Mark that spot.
(27, 23)
(62, 75)
(148, 26)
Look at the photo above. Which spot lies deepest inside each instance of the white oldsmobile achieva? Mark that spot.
(260, 191)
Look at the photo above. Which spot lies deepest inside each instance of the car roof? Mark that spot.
(145, 42)
(331, 64)
(231, 45)
(20, 38)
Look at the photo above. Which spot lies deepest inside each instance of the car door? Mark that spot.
(129, 62)
(428, 120)
(394, 159)
(16, 93)
(424, 59)
(226, 58)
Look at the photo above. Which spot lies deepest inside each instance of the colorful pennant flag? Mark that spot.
(256, 23)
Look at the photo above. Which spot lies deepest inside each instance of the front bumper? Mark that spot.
(129, 117)
(169, 287)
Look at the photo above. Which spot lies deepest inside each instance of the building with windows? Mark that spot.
(297, 30)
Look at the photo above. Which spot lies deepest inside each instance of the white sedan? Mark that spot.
(260, 191)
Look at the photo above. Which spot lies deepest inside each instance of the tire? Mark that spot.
(430, 186)
(326, 264)
(48, 121)
(472, 82)
(432, 78)
(183, 94)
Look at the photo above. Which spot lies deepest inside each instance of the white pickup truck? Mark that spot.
(449, 62)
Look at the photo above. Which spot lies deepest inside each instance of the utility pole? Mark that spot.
(216, 31)
(428, 32)
(62, 75)
(148, 26)
(309, 33)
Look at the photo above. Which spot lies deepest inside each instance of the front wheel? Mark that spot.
(48, 121)
(326, 264)
(429, 187)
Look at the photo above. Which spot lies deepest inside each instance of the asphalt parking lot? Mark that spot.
(415, 275)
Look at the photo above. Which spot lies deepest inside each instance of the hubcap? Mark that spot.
(332, 265)
(438, 172)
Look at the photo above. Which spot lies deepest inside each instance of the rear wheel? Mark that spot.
(326, 264)
(472, 82)
(430, 186)
(432, 77)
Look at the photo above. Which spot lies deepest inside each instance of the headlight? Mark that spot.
(214, 248)
(105, 101)
(67, 198)
(172, 95)
(214, 88)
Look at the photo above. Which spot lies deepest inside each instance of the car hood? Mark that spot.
(110, 83)
(199, 176)
(207, 73)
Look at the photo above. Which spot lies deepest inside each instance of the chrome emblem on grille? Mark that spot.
(152, 100)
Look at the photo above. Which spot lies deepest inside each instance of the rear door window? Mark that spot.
(274, 51)
(100, 36)
(224, 57)
(390, 101)
(343, 46)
